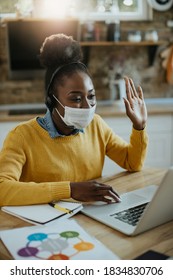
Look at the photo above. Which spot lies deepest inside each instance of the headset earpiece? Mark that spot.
(50, 103)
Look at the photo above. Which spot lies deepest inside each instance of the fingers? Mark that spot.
(109, 187)
(106, 193)
(127, 106)
(140, 91)
(93, 191)
(131, 90)
(128, 88)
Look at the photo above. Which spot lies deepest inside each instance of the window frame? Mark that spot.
(144, 12)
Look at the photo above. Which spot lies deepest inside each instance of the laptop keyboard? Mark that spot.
(130, 216)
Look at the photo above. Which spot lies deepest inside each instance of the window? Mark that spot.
(102, 10)
(113, 9)
(7, 8)
(13, 8)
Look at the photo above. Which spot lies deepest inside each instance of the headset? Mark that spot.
(49, 100)
(160, 5)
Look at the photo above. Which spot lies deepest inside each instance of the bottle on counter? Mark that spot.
(117, 88)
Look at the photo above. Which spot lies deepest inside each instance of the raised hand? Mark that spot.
(135, 105)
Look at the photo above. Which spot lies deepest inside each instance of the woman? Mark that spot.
(58, 156)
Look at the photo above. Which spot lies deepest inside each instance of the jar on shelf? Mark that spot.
(134, 36)
(151, 35)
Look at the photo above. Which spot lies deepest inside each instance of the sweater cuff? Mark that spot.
(140, 136)
(60, 190)
(139, 131)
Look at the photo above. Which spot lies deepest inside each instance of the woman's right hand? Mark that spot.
(93, 191)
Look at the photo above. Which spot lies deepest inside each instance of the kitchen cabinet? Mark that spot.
(5, 127)
(160, 132)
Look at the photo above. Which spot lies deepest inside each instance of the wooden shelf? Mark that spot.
(151, 46)
(121, 43)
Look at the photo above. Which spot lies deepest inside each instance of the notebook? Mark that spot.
(153, 202)
(44, 213)
(65, 240)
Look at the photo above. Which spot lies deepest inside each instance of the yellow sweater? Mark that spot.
(34, 168)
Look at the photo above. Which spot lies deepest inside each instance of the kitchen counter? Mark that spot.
(154, 107)
(23, 112)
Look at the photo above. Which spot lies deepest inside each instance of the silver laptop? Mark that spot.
(139, 210)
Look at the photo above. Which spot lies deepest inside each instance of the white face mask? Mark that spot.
(76, 117)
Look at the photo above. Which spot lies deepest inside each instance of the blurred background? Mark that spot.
(138, 31)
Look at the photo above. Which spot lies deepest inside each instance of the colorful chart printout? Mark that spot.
(63, 241)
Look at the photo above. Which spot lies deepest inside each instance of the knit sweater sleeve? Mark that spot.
(130, 156)
(15, 192)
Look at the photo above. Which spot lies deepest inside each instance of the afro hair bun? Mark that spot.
(59, 49)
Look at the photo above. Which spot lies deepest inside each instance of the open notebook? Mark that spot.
(44, 213)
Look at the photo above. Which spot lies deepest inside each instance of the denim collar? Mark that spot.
(47, 123)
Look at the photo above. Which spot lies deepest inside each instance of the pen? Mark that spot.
(60, 208)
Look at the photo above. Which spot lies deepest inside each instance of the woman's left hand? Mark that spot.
(135, 105)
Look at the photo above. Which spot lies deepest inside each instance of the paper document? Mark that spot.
(66, 240)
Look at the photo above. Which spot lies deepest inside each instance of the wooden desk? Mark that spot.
(159, 239)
